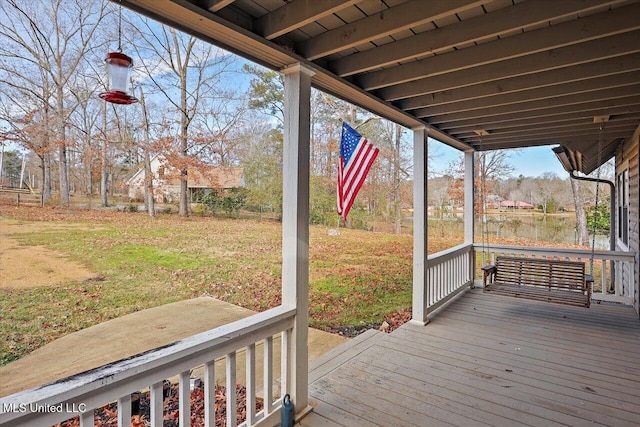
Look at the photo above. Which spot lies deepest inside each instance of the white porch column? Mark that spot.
(469, 208)
(295, 226)
(469, 193)
(420, 279)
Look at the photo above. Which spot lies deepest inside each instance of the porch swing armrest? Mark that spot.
(588, 282)
(488, 271)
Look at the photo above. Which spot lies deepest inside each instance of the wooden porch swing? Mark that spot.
(552, 280)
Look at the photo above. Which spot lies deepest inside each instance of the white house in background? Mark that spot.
(166, 181)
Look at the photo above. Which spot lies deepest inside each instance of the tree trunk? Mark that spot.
(184, 189)
(396, 181)
(46, 178)
(103, 161)
(149, 201)
(184, 119)
(581, 216)
(62, 150)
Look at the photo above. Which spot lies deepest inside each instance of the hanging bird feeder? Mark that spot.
(119, 68)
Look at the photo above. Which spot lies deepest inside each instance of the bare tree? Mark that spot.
(54, 38)
(177, 62)
(149, 200)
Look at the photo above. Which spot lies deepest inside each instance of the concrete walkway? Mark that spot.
(137, 332)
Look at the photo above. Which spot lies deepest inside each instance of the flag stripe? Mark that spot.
(359, 155)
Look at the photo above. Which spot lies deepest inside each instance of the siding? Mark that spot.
(630, 151)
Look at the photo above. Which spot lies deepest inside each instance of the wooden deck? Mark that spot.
(487, 360)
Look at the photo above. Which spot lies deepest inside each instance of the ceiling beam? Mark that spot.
(523, 123)
(468, 135)
(215, 5)
(297, 14)
(384, 23)
(573, 32)
(557, 95)
(545, 132)
(608, 47)
(577, 138)
(478, 28)
(606, 68)
(621, 106)
(577, 102)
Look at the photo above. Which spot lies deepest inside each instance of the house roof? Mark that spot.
(203, 177)
(215, 177)
(480, 74)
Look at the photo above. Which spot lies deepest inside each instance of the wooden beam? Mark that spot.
(574, 124)
(297, 14)
(548, 140)
(479, 28)
(543, 132)
(215, 5)
(556, 92)
(386, 22)
(578, 101)
(527, 106)
(622, 105)
(573, 32)
(608, 68)
(523, 123)
(594, 50)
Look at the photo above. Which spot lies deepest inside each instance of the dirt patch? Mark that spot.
(30, 266)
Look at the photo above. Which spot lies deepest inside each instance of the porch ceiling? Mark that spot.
(521, 73)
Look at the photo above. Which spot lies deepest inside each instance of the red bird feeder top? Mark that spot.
(119, 68)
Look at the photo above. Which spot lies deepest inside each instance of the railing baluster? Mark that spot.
(156, 400)
(124, 411)
(284, 363)
(268, 376)
(250, 356)
(87, 418)
(210, 393)
(184, 402)
(615, 266)
(232, 403)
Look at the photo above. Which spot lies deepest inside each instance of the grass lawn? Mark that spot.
(356, 278)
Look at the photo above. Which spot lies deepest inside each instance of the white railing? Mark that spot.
(81, 394)
(613, 271)
(448, 272)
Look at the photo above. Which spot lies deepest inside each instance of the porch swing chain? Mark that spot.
(595, 210)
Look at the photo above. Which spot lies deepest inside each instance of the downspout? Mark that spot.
(612, 216)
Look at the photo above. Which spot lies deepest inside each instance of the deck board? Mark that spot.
(488, 360)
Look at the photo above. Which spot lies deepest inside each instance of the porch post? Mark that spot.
(469, 209)
(295, 228)
(469, 193)
(420, 277)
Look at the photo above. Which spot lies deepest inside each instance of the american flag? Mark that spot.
(356, 157)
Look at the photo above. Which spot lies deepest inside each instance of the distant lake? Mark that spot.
(553, 228)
